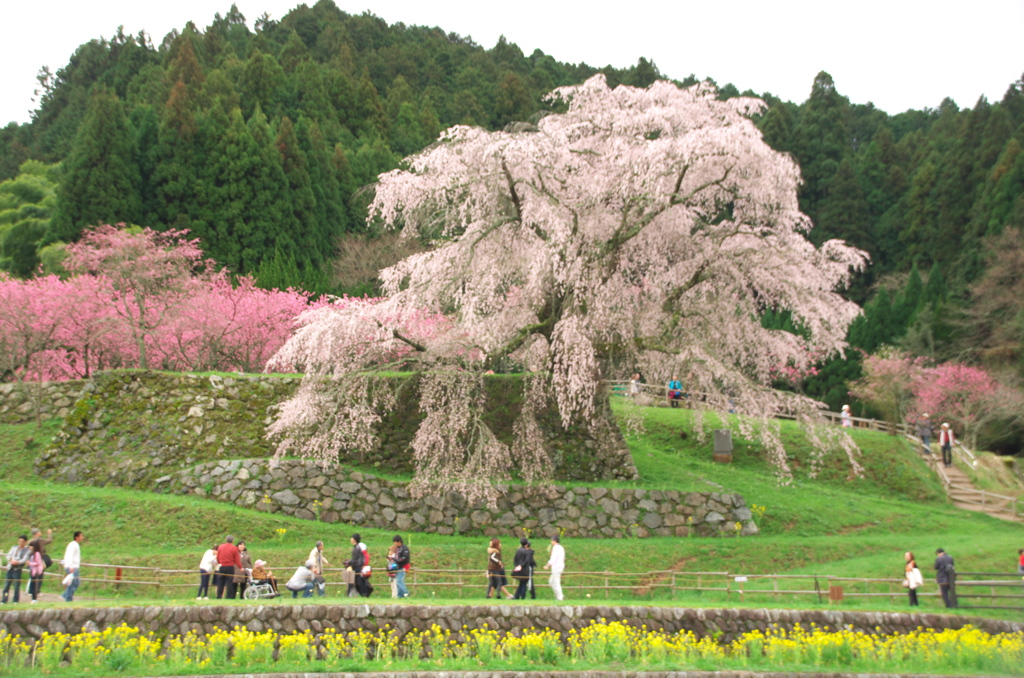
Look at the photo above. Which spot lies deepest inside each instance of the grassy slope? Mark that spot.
(829, 525)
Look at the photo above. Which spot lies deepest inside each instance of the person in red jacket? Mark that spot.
(230, 561)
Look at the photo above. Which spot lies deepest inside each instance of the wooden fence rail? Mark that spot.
(463, 583)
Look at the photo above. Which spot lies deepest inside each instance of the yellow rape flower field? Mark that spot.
(126, 651)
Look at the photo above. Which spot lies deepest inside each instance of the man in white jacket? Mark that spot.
(556, 563)
(72, 564)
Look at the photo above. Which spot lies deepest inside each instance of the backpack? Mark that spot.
(402, 557)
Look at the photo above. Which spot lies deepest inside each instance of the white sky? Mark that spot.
(899, 54)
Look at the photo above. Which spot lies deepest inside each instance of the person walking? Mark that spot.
(355, 562)
(1020, 564)
(363, 584)
(844, 417)
(17, 558)
(402, 560)
(946, 442)
(556, 563)
(317, 557)
(73, 565)
(302, 580)
(242, 576)
(912, 578)
(392, 568)
(924, 432)
(674, 391)
(207, 564)
(945, 577)
(634, 385)
(230, 560)
(523, 566)
(38, 543)
(496, 580)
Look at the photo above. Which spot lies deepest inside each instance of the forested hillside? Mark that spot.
(257, 141)
(260, 141)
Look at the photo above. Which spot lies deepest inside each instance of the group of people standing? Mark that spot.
(30, 552)
(945, 576)
(524, 565)
(231, 569)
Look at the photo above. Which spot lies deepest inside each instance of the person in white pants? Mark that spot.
(556, 563)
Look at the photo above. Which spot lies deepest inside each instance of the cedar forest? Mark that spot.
(261, 143)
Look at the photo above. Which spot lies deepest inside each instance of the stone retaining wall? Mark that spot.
(20, 403)
(287, 618)
(305, 490)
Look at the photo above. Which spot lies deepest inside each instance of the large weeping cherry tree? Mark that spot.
(653, 224)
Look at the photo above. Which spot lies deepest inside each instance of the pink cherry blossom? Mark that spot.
(655, 224)
(967, 397)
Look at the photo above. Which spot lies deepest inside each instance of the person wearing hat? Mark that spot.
(844, 417)
(261, 574)
(946, 440)
(924, 432)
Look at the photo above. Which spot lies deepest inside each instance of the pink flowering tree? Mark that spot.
(655, 222)
(230, 326)
(150, 273)
(137, 298)
(968, 397)
(32, 315)
(889, 382)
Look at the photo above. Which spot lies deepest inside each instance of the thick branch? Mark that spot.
(517, 203)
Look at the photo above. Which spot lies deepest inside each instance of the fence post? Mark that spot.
(775, 585)
(606, 589)
(672, 587)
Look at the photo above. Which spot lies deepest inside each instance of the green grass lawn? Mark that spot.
(829, 525)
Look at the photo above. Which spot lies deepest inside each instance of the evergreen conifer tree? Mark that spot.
(101, 176)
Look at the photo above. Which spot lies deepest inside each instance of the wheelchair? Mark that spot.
(255, 591)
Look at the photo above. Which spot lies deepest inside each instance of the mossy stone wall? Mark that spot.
(131, 427)
(21, 403)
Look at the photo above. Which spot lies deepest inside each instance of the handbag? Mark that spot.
(66, 582)
(905, 583)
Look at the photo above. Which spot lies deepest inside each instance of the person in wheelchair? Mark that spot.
(261, 575)
(258, 588)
